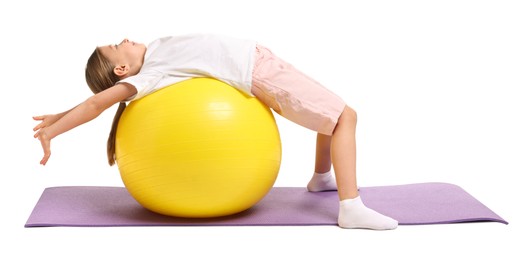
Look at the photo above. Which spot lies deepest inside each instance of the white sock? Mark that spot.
(322, 182)
(354, 214)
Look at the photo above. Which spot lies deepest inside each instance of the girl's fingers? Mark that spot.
(45, 147)
(38, 118)
(45, 159)
(39, 126)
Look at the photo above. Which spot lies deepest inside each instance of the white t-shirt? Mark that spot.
(170, 60)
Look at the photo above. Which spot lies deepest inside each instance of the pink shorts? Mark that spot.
(294, 95)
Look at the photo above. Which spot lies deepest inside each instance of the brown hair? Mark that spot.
(100, 76)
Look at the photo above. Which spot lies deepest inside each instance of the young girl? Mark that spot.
(129, 71)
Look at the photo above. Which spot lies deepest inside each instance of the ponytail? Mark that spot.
(111, 142)
(100, 76)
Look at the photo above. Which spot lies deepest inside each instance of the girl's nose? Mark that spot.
(125, 40)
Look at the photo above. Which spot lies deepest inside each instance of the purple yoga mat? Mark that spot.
(410, 204)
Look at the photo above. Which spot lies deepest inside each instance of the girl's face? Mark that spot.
(126, 53)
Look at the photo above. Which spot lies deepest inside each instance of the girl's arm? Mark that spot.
(84, 112)
(47, 120)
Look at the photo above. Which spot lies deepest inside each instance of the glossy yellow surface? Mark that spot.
(198, 148)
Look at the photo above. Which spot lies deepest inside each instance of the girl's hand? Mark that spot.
(46, 120)
(45, 143)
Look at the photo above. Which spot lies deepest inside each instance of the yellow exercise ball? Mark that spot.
(199, 148)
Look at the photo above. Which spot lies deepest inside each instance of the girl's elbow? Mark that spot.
(95, 104)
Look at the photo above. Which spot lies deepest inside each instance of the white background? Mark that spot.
(441, 89)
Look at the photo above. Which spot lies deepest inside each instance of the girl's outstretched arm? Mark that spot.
(48, 120)
(84, 112)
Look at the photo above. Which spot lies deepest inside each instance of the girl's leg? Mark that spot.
(322, 179)
(352, 211)
(304, 101)
(323, 161)
(343, 154)
(341, 148)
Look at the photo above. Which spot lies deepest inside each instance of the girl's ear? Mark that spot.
(121, 70)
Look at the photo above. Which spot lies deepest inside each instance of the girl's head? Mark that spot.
(111, 63)
(99, 72)
(108, 65)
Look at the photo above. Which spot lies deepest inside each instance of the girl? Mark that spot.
(129, 71)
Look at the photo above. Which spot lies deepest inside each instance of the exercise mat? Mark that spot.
(409, 204)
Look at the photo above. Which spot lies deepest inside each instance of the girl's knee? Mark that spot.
(349, 116)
